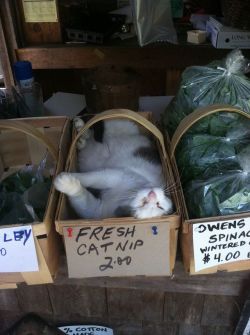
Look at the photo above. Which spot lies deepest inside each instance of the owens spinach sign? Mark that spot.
(221, 242)
(117, 250)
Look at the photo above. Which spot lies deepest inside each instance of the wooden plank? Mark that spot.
(6, 9)
(8, 319)
(78, 300)
(125, 327)
(220, 311)
(43, 275)
(186, 329)
(38, 32)
(161, 57)
(183, 307)
(34, 299)
(173, 79)
(4, 58)
(210, 330)
(180, 282)
(9, 300)
(135, 304)
(160, 328)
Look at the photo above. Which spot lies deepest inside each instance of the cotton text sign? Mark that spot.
(221, 242)
(86, 330)
(17, 250)
(117, 250)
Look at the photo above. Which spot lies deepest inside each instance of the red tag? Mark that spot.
(69, 230)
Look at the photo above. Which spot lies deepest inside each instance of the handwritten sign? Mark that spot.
(17, 250)
(117, 250)
(40, 10)
(221, 242)
(86, 330)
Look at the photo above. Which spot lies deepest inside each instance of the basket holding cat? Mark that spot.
(117, 209)
(119, 174)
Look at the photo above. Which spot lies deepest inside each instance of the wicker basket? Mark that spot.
(22, 142)
(189, 225)
(157, 257)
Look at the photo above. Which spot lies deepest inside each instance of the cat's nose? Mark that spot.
(151, 195)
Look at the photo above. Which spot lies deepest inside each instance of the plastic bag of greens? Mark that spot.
(24, 194)
(222, 82)
(223, 194)
(203, 156)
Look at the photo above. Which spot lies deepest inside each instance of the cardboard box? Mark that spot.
(120, 246)
(212, 244)
(224, 37)
(22, 142)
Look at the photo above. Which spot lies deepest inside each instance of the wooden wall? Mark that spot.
(127, 311)
(180, 305)
(152, 82)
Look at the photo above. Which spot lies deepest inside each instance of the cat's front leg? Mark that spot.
(81, 200)
(68, 184)
(100, 179)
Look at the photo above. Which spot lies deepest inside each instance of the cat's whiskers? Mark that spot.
(169, 188)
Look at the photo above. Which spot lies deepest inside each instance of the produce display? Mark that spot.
(24, 195)
(213, 156)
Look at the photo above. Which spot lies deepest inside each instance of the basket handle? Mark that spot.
(197, 115)
(119, 113)
(31, 131)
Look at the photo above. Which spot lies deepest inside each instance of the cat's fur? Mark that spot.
(123, 167)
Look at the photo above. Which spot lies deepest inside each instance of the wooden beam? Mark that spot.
(4, 58)
(234, 283)
(167, 56)
(6, 9)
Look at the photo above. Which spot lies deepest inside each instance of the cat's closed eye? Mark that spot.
(159, 206)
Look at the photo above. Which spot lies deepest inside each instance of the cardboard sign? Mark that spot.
(86, 330)
(17, 250)
(117, 250)
(221, 242)
(40, 10)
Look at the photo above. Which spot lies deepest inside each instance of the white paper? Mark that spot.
(221, 242)
(17, 250)
(154, 104)
(86, 330)
(40, 10)
(65, 104)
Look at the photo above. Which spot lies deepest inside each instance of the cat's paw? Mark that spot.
(68, 184)
(78, 124)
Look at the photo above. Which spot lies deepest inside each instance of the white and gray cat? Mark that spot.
(124, 167)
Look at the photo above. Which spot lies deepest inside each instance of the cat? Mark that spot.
(124, 167)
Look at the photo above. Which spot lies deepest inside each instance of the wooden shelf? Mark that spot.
(221, 283)
(165, 56)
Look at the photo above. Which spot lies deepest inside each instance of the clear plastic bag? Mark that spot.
(222, 82)
(24, 194)
(201, 155)
(153, 21)
(222, 194)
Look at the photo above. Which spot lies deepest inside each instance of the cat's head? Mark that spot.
(149, 203)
